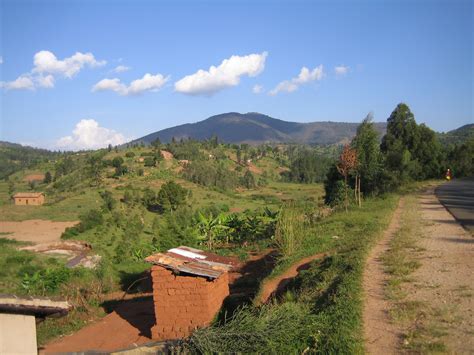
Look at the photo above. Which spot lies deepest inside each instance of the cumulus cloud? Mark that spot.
(341, 70)
(110, 85)
(257, 89)
(120, 69)
(45, 81)
(149, 82)
(23, 82)
(227, 74)
(46, 62)
(89, 135)
(305, 76)
(47, 67)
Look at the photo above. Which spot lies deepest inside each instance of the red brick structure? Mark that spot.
(189, 287)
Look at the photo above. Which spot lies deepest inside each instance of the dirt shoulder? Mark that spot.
(444, 282)
(419, 283)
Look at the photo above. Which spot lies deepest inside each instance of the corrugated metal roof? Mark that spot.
(193, 261)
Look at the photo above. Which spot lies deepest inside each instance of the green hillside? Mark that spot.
(457, 136)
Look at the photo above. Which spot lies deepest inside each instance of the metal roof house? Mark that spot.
(189, 287)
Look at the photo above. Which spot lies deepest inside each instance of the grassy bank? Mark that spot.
(322, 310)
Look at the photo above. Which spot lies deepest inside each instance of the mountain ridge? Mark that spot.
(257, 128)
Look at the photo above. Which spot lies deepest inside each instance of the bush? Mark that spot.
(289, 232)
(129, 154)
(335, 196)
(109, 201)
(210, 173)
(150, 161)
(90, 219)
(45, 281)
(171, 196)
(248, 180)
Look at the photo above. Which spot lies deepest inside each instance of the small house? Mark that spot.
(189, 287)
(29, 198)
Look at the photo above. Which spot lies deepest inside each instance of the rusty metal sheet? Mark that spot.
(193, 261)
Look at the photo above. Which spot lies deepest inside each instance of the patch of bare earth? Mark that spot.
(381, 336)
(444, 282)
(128, 325)
(277, 285)
(34, 230)
(254, 169)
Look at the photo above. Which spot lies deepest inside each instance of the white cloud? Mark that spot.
(305, 76)
(45, 81)
(46, 62)
(89, 135)
(257, 89)
(47, 67)
(23, 82)
(149, 82)
(227, 74)
(120, 69)
(341, 70)
(110, 84)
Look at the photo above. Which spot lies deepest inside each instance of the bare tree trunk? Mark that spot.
(360, 200)
(346, 202)
(355, 188)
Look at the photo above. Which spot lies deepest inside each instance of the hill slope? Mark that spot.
(458, 135)
(256, 128)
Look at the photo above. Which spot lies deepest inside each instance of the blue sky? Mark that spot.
(294, 60)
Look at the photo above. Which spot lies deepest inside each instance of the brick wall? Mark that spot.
(184, 303)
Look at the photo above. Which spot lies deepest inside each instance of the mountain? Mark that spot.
(256, 128)
(458, 135)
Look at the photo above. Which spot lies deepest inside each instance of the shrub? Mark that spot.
(150, 161)
(129, 154)
(90, 220)
(109, 201)
(171, 196)
(289, 232)
(248, 180)
(45, 281)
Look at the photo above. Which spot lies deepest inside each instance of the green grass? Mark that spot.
(328, 296)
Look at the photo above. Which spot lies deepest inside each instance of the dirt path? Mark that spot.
(444, 282)
(34, 230)
(381, 337)
(274, 286)
(127, 326)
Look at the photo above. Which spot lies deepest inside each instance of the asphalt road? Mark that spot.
(458, 197)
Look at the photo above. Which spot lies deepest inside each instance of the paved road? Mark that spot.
(458, 197)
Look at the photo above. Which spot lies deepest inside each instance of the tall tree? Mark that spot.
(369, 158)
(346, 164)
(411, 151)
